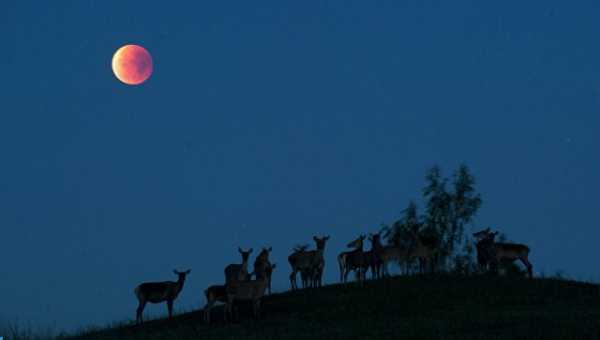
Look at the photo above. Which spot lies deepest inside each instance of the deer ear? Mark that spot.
(175, 271)
(249, 251)
(327, 237)
(270, 249)
(188, 271)
(315, 238)
(240, 250)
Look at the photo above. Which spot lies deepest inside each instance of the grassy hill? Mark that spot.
(445, 307)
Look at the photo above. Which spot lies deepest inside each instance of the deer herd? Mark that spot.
(239, 285)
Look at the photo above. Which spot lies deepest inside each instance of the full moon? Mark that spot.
(132, 64)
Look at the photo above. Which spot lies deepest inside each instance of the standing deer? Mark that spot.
(214, 294)
(263, 267)
(317, 274)
(156, 292)
(497, 252)
(252, 290)
(238, 272)
(269, 274)
(392, 254)
(375, 257)
(308, 263)
(307, 275)
(425, 254)
(484, 246)
(353, 260)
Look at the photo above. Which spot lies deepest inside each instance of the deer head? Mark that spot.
(375, 239)
(358, 243)
(482, 234)
(321, 242)
(264, 254)
(181, 275)
(245, 254)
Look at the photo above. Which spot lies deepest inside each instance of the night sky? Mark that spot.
(267, 123)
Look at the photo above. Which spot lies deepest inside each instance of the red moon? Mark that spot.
(132, 64)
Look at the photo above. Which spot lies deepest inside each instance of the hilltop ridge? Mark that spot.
(424, 307)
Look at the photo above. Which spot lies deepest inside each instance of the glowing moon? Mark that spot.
(132, 64)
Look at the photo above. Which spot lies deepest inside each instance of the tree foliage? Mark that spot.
(447, 212)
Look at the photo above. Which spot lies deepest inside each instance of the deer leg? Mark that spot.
(207, 309)
(256, 309)
(170, 308)
(527, 264)
(140, 310)
(303, 278)
(362, 275)
(293, 279)
(228, 308)
(494, 266)
(342, 264)
(236, 312)
(346, 272)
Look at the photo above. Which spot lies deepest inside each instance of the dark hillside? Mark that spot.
(411, 307)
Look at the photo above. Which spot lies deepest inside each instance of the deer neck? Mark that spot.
(320, 251)
(179, 286)
(377, 246)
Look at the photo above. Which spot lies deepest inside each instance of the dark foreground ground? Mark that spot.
(404, 307)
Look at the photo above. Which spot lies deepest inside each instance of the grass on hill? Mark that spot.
(429, 307)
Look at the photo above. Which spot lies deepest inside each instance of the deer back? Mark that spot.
(355, 259)
(247, 290)
(306, 259)
(262, 268)
(393, 253)
(511, 250)
(422, 251)
(236, 272)
(157, 291)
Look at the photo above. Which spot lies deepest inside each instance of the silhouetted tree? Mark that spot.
(401, 230)
(438, 214)
(465, 204)
(446, 214)
(448, 211)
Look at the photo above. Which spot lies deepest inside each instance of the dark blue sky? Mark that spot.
(264, 124)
